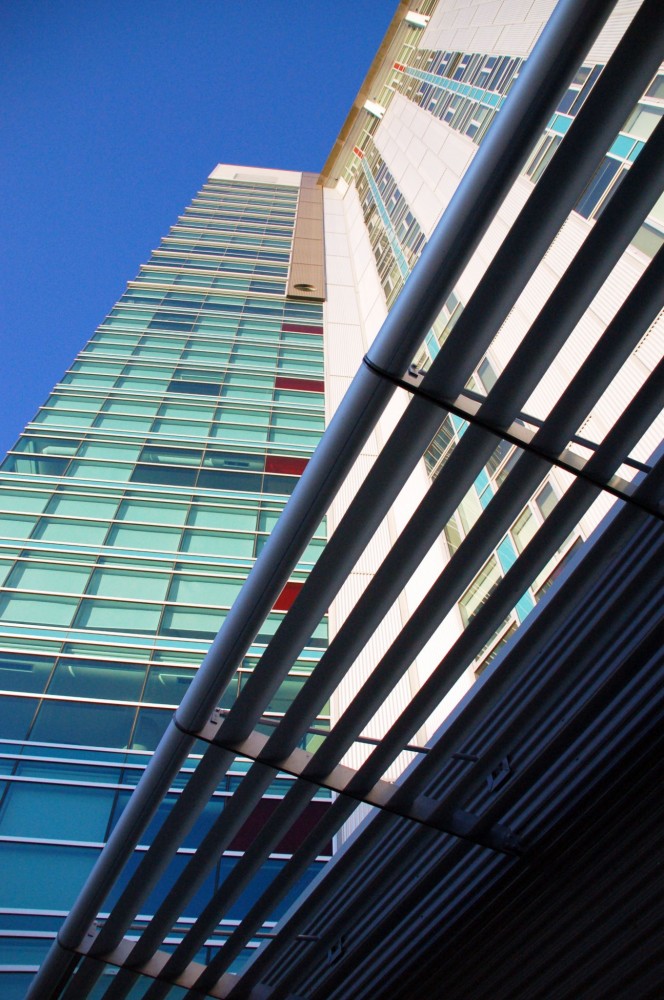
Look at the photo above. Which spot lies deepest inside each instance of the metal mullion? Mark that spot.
(618, 88)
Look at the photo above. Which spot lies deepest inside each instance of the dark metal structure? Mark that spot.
(518, 856)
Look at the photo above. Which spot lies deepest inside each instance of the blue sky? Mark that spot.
(114, 112)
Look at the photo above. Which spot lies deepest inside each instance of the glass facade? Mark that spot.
(131, 510)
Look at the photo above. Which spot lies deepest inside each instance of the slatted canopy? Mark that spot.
(515, 855)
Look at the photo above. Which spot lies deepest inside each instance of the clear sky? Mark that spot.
(113, 113)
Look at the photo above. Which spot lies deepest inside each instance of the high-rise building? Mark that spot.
(136, 503)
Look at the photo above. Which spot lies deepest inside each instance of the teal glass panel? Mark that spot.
(186, 412)
(246, 392)
(47, 446)
(15, 526)
(136, 425)
(73, 532)
(117, 616)
(87, 679)
(152, 512)
(20, 951)
(71, 401)
(56, 875)
(151, 725)
(182, 427)
(506, 554)
(23, 501)
(286, 694)
(109, 452)
(65, 579)
(236, 432)
(167, 686)
(96, 508)
(204, 590)
(42, 610)
(524, 606)
(24, 672)
(83, 724)
(215, 543)
(56, 812)
(16, 715)
(129, 584)
(15, 984)
(234, 518)
(62, 418)
(145, 538)
(35, 465)
(268, 520)
(130, 406)
(195, 623)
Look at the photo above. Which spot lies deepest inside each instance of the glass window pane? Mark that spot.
(74, 532)
(154, 539)
(56, 874)
(16, 715)
(204, 590)
(84, 724)
(117, 616)
(154, 513)
(98, 508)
(235, 518)
(44, 576)
(23, 672)
(89, 679)
(129, 584)
(56, 812)
(43, 610)
(16, 526)
(23, 501)
(193, 624)
(214, 543)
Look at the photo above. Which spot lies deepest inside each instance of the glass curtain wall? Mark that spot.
(131, 510)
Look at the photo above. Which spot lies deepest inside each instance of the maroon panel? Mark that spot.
(301, 328)
(285, 465)
(305, 384)
(303, 825)
(287, 596)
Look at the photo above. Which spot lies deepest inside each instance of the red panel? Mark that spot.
(358, 152)
(399, 66)
(301, 328)
(303, 824)
(285, 465)
(287, 596)
(305, 384)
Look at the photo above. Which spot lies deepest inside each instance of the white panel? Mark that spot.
(233, 172)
